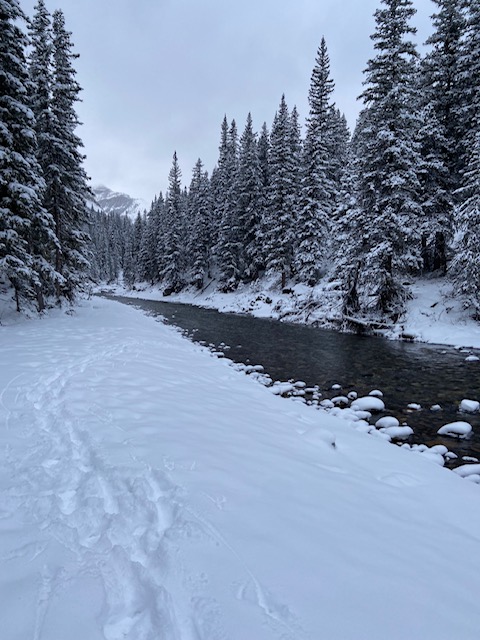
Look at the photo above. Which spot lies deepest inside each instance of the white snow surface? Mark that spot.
(458, 429)
(149, 490)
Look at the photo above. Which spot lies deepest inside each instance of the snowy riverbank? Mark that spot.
(150, 490)
(433, 314)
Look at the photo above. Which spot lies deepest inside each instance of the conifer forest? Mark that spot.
(303, 201)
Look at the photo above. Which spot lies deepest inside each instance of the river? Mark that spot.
(405, 372)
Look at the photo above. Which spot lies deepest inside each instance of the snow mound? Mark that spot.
(398, 433)
(414, 406)
(469, 406)
(467, 470)
(456, 429)
(387, 422)
(369, 403)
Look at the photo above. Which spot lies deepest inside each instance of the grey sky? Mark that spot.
(159, 75)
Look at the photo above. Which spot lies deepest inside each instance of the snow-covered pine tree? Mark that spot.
(471, 72)
(465, 267)
(67, 182)
(282, 191)
(44, 240)
(387, 185)
(199, 215)
(318, 190)
(173, 232)
(228, 246)
(21, 185)
(132, 268)
(436, 193)
(442, 135)
(249, 204)
(150, 240)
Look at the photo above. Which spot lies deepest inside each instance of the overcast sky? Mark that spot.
(159, 75)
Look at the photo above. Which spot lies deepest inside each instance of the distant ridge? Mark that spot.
(114, 202)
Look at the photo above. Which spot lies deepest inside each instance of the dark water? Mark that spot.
(404, 372)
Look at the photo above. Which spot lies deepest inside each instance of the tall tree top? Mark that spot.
(397, 54)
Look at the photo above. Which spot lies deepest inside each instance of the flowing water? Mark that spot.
(405, 372)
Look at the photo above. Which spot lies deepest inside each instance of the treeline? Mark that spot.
(44, 240)
(400, 197)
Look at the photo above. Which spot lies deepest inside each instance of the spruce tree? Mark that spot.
(173, 240)
(22, 218)
(199, 215)
(249, 203)
(67, 187)
(465, 268)
(387, 167)
(470, 66)
(282, 191)
(228, 246)
(443, 130)
(318, 191)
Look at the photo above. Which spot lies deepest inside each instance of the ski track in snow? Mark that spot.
(122, 525)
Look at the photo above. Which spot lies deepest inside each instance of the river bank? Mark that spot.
(433, 314)
(148, 487)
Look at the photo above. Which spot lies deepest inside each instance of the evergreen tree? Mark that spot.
(318, 190)
(150, 239)
(281, 196)
(249, 203)
(173, 231)
(442, 134)
(21, 214)
(443, 84)
(228, 246)
(470, 66)
(387, 185)
(465, 268)
(199, 213)
(67, 187)
(44, 240)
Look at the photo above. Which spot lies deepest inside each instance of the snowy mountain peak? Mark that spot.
(114, 202)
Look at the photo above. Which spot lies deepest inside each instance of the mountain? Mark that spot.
(115, 202)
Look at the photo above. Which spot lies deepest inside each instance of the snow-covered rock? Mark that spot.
(369, 403)
(467, 470)
(376, 393)
(327, 404)
(456, 429)
(387, 422)
(282, 388)
(472, 358)
(414, 406)
(435, 407)
(469, 406)
(398, 433)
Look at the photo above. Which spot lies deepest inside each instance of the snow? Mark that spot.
(469, 406)
(456, 429)
(368, 403)
(467, 470)
(150, 490)
(435, 314)
(386, 422)
(398, 433)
